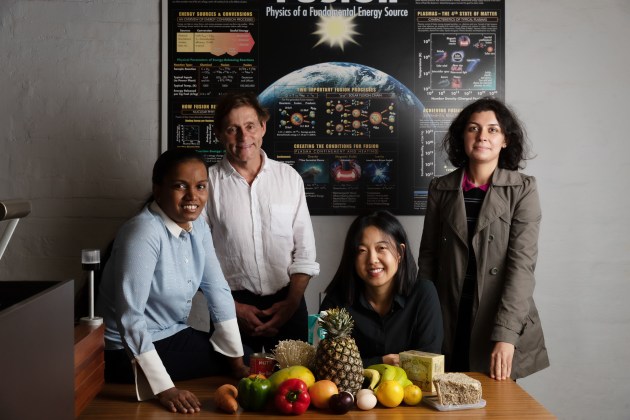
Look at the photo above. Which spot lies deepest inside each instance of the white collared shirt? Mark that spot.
(262, 233)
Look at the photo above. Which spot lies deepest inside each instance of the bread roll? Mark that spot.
(457, 389)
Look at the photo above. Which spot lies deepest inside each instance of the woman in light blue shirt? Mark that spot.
(159, 259)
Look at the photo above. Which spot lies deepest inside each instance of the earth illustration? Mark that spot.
(338, 74)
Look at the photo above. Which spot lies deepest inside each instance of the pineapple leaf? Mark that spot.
(337, 322)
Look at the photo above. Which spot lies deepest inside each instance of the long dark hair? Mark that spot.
(511, 157)
(346, 282)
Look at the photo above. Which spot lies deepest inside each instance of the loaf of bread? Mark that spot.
(457, 389)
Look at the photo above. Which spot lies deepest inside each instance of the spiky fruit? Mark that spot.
(338, 358)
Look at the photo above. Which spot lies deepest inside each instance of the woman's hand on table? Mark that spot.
(238, 368)
(501, 360)
(391, 359)
(179, 401)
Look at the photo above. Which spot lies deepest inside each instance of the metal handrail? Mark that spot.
(12, 210)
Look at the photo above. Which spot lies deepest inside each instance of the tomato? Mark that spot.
(321, 391)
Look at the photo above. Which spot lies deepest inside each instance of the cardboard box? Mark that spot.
(421, 367)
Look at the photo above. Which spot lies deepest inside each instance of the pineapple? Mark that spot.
(338, 358)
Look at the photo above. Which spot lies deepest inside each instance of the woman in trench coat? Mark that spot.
(480, 243)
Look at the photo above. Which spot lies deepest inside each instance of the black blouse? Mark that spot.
(413, 323)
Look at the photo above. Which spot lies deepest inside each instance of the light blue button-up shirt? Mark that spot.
(149, 281)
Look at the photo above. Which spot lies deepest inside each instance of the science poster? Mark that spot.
(360, 92)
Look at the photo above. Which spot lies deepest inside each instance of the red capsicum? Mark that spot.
(292, 397)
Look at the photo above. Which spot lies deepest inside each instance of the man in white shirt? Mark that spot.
(261, 228)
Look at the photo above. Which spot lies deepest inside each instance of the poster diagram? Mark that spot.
(359, 93)
(360, 117)
(465, 61)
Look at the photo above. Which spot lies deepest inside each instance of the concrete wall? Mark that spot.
(79, 111)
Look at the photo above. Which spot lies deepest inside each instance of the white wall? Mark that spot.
(567, 63)
(79, 111)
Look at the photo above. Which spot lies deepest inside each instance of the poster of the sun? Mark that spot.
(359, 92)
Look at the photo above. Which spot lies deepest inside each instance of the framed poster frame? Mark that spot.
(360, 115)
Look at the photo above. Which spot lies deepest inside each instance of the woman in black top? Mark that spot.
(376, 282)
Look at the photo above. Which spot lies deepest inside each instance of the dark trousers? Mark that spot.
(185, 355)
(460, 361)
(296, 327)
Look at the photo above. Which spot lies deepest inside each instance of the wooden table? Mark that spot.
(89, 364)
(504, 400)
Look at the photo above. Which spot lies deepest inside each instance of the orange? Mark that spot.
(321, 391)
(390, 393)
(413, 395)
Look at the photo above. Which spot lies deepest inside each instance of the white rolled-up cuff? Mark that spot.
(151, 375)
(226, 338)
(304, 267)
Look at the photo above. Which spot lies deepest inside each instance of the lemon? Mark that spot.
(413, 395)
(390, 393)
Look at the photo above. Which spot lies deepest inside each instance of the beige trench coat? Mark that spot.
(506, 247)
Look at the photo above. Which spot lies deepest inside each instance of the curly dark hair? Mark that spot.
(346, 282)
(511, 157)
(236, 100)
